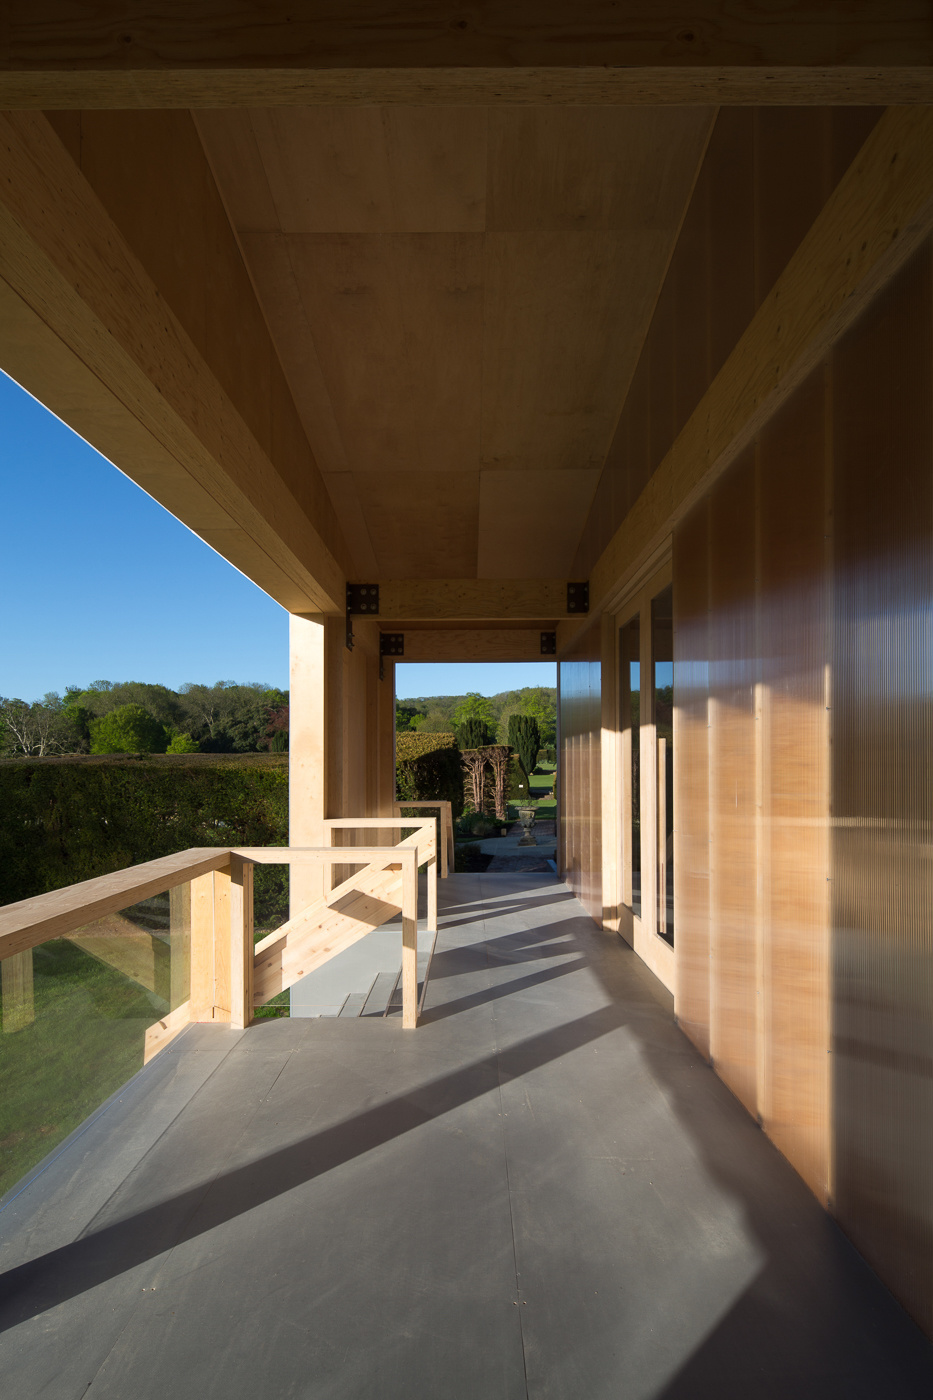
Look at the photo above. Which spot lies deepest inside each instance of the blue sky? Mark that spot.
(99, 582)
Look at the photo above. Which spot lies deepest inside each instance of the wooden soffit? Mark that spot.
(189, 53)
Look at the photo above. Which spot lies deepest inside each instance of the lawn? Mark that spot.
(86, 1041)
(542, 780)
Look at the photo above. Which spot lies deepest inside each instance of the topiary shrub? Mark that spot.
(427, 769)
(475, 733)
(525, 738)
(519, 790)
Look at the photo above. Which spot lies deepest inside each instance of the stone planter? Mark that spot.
(526, 816)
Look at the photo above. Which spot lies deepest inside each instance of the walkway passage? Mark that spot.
(542, 1192)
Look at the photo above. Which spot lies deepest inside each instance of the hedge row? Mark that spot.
(70, 819)
(427, 768)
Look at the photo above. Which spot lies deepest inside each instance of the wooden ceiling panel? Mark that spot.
(397, 323)
(623, 168)
(375, 169)
(230, 145)
(423, 524)
(268, 257)
(526, 523)
(459, 297)
(566, 317)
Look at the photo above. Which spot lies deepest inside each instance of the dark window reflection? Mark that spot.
(662, 651)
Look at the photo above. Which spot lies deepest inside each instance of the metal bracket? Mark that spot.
(548, 643)
(578, 597)
(390, 644)
(362, 601)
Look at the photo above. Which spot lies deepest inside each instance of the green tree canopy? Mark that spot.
(474, 706)
(130, 729)
(182, 743)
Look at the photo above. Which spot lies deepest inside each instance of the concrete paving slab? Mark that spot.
(542, 1192)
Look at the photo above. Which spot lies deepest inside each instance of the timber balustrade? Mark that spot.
(446, 824)
(229, 976)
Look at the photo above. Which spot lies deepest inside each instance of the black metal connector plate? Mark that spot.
(362, 599)
(548, 643)
(392, 644)
(578, 597)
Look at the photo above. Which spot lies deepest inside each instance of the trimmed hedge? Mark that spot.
(72, 818)
(427, 768)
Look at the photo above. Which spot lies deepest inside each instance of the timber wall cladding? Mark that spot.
(765, 176)
(581, 778)
(803, 597)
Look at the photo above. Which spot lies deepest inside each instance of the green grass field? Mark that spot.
(86, 1041)
(541, 781)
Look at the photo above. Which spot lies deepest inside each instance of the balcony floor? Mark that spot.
(543, 1191)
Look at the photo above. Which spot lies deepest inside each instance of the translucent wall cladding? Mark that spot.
(803, 603)
(580, 775)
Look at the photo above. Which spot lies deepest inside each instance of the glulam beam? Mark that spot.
(475, 644)
(87, 329)
(471, 600)
(188, 53)
(878, 215)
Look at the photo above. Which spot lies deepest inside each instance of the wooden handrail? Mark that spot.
(30, 922)
(446, 822)
(229, 906)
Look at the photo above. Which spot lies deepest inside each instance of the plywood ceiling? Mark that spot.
(459, 297)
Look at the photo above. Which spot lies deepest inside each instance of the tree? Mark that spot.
(38, 728)
(539, 706)
(525, 738)
(405, 716)
(130, 729)
(277, 730)
(474, 706)
(475, 733)
(434, 723)
(182, 743)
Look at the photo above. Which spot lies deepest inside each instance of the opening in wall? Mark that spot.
(629, 725)
(662, 705)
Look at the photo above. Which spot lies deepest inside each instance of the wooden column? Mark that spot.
(18, 1005)
(210, 946)
(385, 740)
(241, 942)
(307, 786)
(409, 941)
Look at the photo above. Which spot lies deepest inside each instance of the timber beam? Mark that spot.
(539, 601)
(474, 644)
(86, 329)
(879, 214)
(187, 53)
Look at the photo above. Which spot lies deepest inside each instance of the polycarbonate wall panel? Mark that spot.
(580, 774)
(882, 787)
(794, 859)
(734, 671)
(691, 775)
(812, 558)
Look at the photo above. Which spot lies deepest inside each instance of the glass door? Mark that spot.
(662, 705)
(630, 727)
